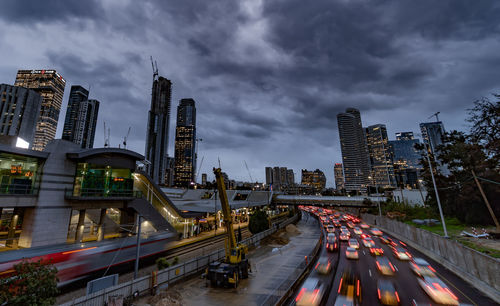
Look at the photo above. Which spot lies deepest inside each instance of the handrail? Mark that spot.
(18, 189)
(102, 193)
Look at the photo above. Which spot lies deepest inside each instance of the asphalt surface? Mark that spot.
(405, 280)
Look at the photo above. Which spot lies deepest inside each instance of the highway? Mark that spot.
(404, 280)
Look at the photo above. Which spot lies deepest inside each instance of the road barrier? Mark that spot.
(478, 269)
(166, 277)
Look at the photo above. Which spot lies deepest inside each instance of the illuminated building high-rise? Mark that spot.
(81, 118)
(382, 169)
(157, 130)
(315, 179)
(20, 108)
(355, 158)
(339, 176)
(185, 144)
(50, 85)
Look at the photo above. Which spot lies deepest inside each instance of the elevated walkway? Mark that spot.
(340, 201)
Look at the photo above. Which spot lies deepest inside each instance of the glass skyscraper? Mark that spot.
(185, 144)
(382, 170)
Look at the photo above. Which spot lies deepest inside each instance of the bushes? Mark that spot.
(258, 222)
(162, 262)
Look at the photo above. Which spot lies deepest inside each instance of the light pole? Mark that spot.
(436, 191)
(138, 249)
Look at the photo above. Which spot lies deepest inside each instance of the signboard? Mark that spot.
(102, 283)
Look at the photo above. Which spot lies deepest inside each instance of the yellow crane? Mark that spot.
(235, 266)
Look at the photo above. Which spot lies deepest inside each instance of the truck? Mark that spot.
(235, 266)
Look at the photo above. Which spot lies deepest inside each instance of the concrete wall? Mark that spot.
(412, 197)
(480, 270)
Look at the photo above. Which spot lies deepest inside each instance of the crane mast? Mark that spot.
(226, 211)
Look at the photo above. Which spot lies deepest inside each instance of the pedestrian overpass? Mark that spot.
(339, 201)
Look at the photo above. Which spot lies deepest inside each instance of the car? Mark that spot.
(364, 226)
(332, 243)
(324, 266)
(343, 227)
(330, 229)
(357, 231)
(364, 236)
(437, 290)
(376, 251)
(351, 253)
(350, 224)
(344, 236)
(385, 239)
(349, 291)
(368, 242)
(311, 293)
(422, 268)
(376, 232)
(336, 223)
(384, 266)
(387, 294)
(401, 253)
(353, 243)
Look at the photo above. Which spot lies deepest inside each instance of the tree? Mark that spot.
(34, 283)
(258, 222)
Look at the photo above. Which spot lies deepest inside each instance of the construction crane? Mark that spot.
(155, 68)
(125, 138)
(435, 115)
(198, 170)
(235, 265)
(250, 175)
(106, 136)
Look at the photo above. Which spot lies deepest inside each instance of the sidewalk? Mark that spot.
(271, 265)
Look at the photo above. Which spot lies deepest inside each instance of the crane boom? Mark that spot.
(249, 174)
(226, 210)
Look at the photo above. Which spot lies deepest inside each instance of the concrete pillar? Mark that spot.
(80, 226)
(100, 229)
(12, 227)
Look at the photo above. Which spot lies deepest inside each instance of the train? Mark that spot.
(76, 261)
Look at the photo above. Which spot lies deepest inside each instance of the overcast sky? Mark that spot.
(268, 77)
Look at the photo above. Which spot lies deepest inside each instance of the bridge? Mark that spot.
(339, 201)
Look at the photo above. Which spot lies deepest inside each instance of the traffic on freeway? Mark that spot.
(370, 267)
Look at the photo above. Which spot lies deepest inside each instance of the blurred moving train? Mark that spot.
(75, 261)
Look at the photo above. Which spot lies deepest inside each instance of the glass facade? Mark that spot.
(18, 174)
(102, 181)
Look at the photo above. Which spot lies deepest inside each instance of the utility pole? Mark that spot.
(138, 249)
(437, 194)
(487, 202)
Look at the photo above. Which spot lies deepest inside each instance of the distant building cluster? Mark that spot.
(315, 179)
(280, 178)
(371, 161)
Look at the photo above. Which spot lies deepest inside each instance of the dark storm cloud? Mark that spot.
(35, 11)
(270, 77)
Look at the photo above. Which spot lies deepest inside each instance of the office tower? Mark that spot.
(50, 85)
(269, 176)
(290, 177)
(406, 159)
(157, 130)
(169, 172)
(355, 156)
(77, 95)
(81, 118)
(339, 176)
(315, 179)
(283, 178)
(203, 179)
(185, 143)
(276, 179)
(19, 112)
(382, 170)
(433, 136)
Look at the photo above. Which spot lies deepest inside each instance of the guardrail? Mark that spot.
(164, 278)
(102, 193)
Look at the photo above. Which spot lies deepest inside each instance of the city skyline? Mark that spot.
(412, 71)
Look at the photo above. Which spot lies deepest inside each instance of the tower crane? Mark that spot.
(435, 115)
(249, 174)
(235, 266)
(125, 138)
(106, 136)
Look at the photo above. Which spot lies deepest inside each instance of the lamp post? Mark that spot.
(138, 249)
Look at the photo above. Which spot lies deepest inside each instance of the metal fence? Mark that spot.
(167, 276)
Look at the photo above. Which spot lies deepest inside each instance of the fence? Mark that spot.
(167, 276)
(480, 270)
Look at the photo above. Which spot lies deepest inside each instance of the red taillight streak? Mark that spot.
(340, 285)
(452, 295)
(402, 243)
(417, 267)
(397, 296)
(407, 253)
(379, 297)
(75, 251)
(301, 293)
(431, 268)
(315, 292)
(316, 266)
(357, 291)
(432, 290)
(392, 267)
(378, 266)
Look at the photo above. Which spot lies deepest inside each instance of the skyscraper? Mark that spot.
(19, 112)
(81, 118)
(185, 143)
(355, 157)
(50, 85)
(157, 129)
(315, 179)
(433, 136)
(269, 176)
(339, 176)
(406, 159)
(382, 170)
(290, 177)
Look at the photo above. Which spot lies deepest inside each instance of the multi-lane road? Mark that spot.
(405, 281)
